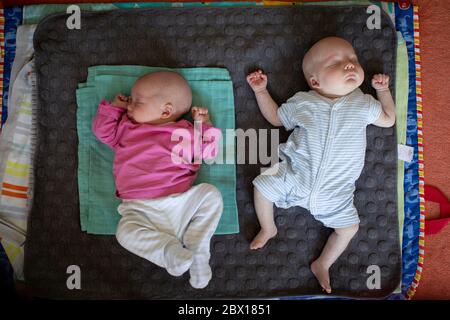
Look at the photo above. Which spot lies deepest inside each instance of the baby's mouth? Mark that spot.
(350, 76)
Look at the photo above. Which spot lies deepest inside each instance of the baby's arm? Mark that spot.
(210, 135)
(258, 82)
(106, 121)
(387, 117)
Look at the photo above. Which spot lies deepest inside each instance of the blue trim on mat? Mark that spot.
(410, 249)
(13, 19)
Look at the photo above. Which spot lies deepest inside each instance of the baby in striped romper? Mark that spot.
(324, 155)
(165, 219)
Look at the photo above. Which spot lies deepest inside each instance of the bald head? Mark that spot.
(318, 52)
(170, 87)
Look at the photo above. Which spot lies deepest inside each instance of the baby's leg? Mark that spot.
(264, 211)
(207, 204)
(336, 244)
(139, 235)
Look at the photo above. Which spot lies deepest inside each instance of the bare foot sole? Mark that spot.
(262, 237)
(322, 276)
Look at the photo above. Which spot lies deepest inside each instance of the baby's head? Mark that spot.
(331, 67)
(159, 97)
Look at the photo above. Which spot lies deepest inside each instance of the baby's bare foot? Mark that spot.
(322, 275)
(262, 237)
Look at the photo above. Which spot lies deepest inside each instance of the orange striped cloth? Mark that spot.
(15, 191)
(16, 149)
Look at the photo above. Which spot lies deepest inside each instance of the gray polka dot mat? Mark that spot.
(240, 39)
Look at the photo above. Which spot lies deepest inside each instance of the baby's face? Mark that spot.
(159, 98)
(144, 104)
(336, 70)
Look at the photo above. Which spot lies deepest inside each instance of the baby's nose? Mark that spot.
(349, 65)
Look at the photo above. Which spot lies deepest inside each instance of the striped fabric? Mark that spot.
(15, 147)
(325, 153)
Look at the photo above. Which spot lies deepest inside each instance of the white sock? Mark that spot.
(200, 271)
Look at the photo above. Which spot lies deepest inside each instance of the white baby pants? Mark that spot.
(173, 232)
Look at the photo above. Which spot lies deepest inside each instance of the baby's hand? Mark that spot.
(257, 80)
(120, 101)
(380, 82)
(200, 114)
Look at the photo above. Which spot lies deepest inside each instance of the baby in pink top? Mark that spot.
(143, 130)
(165, 219)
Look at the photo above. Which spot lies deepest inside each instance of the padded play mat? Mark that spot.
(239, 39)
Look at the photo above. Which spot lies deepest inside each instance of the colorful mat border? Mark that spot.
(413, 287)
(12, 19)
(2, 59)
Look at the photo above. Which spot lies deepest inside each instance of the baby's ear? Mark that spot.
(167, 111)
(313, 83)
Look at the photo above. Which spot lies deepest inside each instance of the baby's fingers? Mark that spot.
(199, 110)
(122, 97)
(383, 78)
(255, 74)
(252, 77)
(377, 77)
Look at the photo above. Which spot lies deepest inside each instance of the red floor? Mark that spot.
(434, 19)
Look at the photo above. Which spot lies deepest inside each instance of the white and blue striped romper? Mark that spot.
(323, 157)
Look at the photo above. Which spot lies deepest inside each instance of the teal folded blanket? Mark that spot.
(211, 88)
